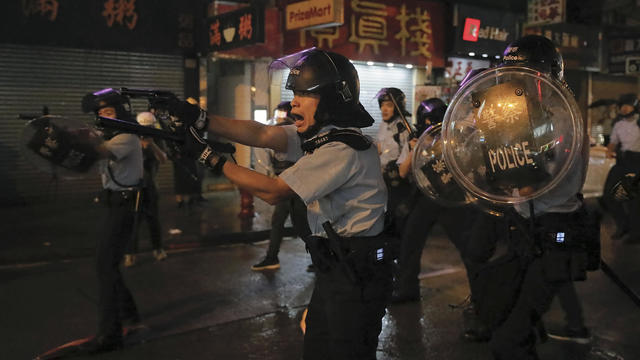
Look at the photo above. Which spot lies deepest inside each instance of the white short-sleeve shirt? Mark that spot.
(390, 149)
(127, 167)
(627, 134)
(339, 184)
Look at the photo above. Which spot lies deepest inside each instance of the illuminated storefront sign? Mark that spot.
(314, 14)
(237, 28)
(482, 31)
(471, 28)
(410, 32)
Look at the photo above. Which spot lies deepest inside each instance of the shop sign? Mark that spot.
(407, 32)
(314, 14)
(236, 28)
(483, 31)
(128, 25)
(541, 12)
(579, 44)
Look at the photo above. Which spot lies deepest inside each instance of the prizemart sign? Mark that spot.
(314, 14)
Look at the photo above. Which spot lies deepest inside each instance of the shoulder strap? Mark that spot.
(352, 138)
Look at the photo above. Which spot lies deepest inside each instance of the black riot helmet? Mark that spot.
(430, 112)
(93, 102)
(395, 95)
(334, 78)
(537, 52)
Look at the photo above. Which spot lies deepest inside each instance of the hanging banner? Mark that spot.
(407, 32)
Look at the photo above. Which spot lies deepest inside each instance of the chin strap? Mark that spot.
(352, 138)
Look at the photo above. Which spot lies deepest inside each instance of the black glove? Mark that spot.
(197, 147)
(188, 114)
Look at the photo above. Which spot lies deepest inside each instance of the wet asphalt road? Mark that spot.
(206, 303)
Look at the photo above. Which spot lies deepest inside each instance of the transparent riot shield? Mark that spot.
(430, 171)
(511, 134)
(62, 147)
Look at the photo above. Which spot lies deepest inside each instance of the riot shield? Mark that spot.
(512, 134)
(430, 172)
(62, 147)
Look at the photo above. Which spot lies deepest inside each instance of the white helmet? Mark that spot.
(146, 119)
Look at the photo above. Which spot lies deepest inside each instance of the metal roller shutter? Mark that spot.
(58, 78)
(372, 79)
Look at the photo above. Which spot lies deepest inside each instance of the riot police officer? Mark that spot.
(122, 173)
(392, 137)
(337, 174)
(547, 231)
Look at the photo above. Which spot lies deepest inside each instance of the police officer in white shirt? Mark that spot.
(337, 174)
(625, 146)
(392, 137)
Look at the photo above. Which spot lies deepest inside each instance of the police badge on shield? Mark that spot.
(60, 146)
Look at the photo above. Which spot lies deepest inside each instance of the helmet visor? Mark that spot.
(309, 70)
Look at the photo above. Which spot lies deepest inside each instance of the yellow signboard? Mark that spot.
(314, 14)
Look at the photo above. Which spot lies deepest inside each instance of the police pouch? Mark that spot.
(571, 247)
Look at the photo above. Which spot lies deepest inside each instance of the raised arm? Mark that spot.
(249, 132)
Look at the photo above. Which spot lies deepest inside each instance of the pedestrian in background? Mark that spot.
(267, 163)
(153, 156)
(624, 145)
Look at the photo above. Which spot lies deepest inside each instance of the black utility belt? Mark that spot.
(121, 194)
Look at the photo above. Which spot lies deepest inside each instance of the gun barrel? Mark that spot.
(137, 129)
(157, 133)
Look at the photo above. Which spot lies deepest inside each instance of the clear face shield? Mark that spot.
(511, 135)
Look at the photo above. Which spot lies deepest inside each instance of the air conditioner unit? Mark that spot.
(632, 65)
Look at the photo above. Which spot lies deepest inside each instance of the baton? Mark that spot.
(616, 280)
(412, 133)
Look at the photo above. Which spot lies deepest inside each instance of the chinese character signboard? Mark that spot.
(545, 11)
(236, 28)
(408, 32)
(135, 25)
(314, 14)
(483, 31)
(579, 44)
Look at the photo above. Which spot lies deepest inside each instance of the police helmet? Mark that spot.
(93, 102)
(432, 109)
(399, 98)
(334, 78)
(537, 52)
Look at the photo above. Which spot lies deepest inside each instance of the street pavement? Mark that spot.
(204, 302)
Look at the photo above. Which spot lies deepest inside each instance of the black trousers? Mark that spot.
(149, 212)
(115, 301)
(298, 211)
(625, 214)
(344, 318)
(456, 222)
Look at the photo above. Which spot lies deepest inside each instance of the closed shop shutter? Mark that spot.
(372, 79)
(32, 77)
